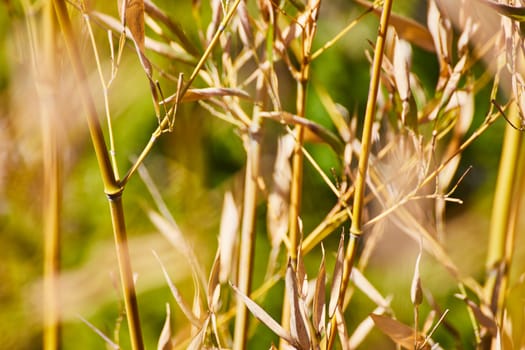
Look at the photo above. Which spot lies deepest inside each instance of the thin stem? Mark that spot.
(497, 265)
(52, 185)
(366, 139)
(248, 228)
(112, 187)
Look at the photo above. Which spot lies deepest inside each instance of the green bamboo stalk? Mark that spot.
(112, 187)
(360, 183)
(247, 248)
(504, 204)
(52, 186)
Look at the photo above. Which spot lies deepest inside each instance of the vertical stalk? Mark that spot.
(501, 227)
(112, 187)
(52, 190)
(248, 226)
(360, 183)
(297, 155)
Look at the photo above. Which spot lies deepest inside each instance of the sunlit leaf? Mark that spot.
(264, 317)
(400, 333)
(230, 221)
(337, 278)
(298, 328)
(514, 12)
(165, 334)
(319, 303)
(406, 28)
(416, 293)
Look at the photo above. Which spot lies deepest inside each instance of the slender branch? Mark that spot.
(360, 183)
(112, 188)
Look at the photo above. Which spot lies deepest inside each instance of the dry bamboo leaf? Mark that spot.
(263, 316)
(337, 278)
(298, 328)
(245, 29)
(402, 60)
(319, 303)
(164, 342)
(214, 287)
(230, 221)
(198, 339)
(177, 296)
(514, 12)
(216, 7)
(173, 234)
(416, 293)
(342, 332)
(400, 333)
(156, 13)
(278, 198)
(484, 317)
(441, 31)
(366, 287)
(192, 95)
(407, 28)
(363, 329)
(101, 334)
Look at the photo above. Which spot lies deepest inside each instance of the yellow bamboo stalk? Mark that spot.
(112, 187)
(360, 183)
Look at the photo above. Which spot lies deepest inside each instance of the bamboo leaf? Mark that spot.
(230, 221)
(406, 28)
(264, 317)
(400, 333)
(192, 95)
(416, 293)
(337, 278)
(214, 287)
(319, 303)
(298, 328)
(177, 296)
(516, 13)
(484, 317)
(165, 334)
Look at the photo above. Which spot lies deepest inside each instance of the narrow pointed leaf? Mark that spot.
(165, 334)
(513, 12)
(416, 293)
(264, 317)
(214, 287)
(337, 278)
(230, 221)
(319, 303)
(400, 333)
(298, 328)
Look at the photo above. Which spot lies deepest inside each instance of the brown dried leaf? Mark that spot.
(342, 332)
(402, 60)
(406, 28)
(337, 278)
(263, 316)
(484, 317)
(165, 334)
(400, 333)
(298, 328)
(319, 303)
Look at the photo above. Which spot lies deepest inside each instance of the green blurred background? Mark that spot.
(192, 167)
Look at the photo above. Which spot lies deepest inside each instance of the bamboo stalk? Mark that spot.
(112, 187)
(246, 258)
(360, 183)
(52, 186)
(501, 225)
